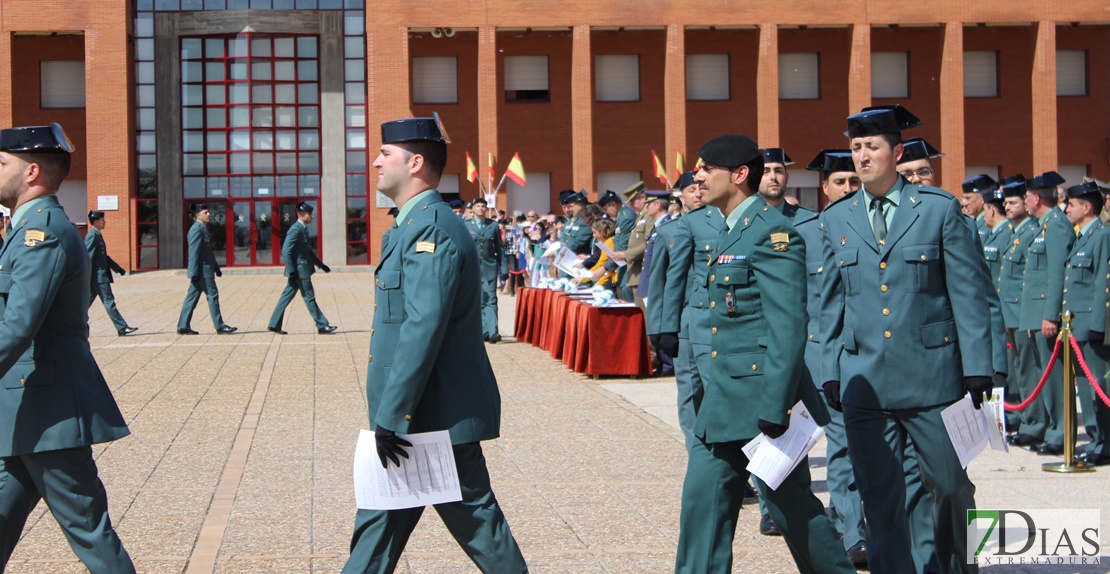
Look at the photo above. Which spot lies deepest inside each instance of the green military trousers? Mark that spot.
(304, 286)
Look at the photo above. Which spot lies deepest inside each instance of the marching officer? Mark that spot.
(487, 236)
(427, 368)
(102, 267)
(202, 272)
(300, 263)
(55, 404)
(1041, 302)
(756, 288)
(905, 289)
(1085, 295)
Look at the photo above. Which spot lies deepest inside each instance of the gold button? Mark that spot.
(811, 336)
(369, 358)
(375, 306)
(23, 381)
(840, 264)
(714, 330)
(1062, 302)
(726, 278)
(788, 411)
(408, 417)
(712, 304)
(887, 334)
(820, 269)
(883, 288)
(712, 277)
(946, 339)
(1065, 289)
(886, 312)
(713, 355)
(882, 265)
(755, 368)
(923, 257)
(707, 246)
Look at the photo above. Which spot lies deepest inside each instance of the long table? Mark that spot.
(591, 340)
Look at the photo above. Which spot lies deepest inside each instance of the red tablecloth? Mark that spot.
(588, 339)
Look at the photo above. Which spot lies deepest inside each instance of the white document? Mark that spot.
(428, 476)
(612, 254)
(773, 459)
(565, 260)
(967, 428)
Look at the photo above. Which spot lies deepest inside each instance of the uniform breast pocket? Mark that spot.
(990, 255)
(26, 374)
(388, 294)
(1037, 259)
(847, 261)
(734, 282)
(1017, 264)
(1081, 265)
(923, 262)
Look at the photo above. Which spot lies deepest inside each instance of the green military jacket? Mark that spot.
(578, 236)
(903, 323)
(757, 293)
(690, 244)
(54, 396)
(100, 264)
(1085, 275)
(808, 225)
(300, 260)
(487, 237)
(1011, 273)
(1043, 290)
(626, 218)
(202, 262)
(995, 244)
(665, 297)
(427, 368)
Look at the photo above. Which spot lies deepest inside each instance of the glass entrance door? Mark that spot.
(251, 232)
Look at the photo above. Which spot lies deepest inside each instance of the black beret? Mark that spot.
(832, 160)
(478, 200)
(94, 215)
(686, 179)
(456, 204)
(729, 151)
(35, 139)
(914, 149)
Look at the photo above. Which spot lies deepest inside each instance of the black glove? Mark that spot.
(832, 395)
(1095, 337)
(772, 430)
(668, 343)
(219, 273)
(389, 446)
(120, 271)
(999, 381)
(979, 388)
(325, 268)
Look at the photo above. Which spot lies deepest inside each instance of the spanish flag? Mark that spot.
(660, 171)
(515, 171)
(678, 169)
(471, 169)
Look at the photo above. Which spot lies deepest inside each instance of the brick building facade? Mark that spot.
(252, 105)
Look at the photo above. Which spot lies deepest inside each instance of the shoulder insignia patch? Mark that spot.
(425, 247)
(780, 240)
(33, 236)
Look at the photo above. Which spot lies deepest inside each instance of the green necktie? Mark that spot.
(878, 220)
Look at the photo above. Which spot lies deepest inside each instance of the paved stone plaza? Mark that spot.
(241, 453)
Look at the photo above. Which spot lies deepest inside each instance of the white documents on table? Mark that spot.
(971, 430)
(773, 459)
(428, 476)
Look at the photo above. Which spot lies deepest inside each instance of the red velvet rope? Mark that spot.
(1037, 391)
(1087, 371)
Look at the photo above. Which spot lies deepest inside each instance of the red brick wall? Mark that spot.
(705, 119)
(998, 131)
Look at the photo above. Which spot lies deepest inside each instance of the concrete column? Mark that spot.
(674, 95)
(167, 112)
(333, 165)
(582, 108)
(487, 105)
(859, 69)
(952, 108)
(1045, 147)
(5, 78)
(767, 86)
(110, 118)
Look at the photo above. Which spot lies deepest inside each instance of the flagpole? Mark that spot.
(499, 183)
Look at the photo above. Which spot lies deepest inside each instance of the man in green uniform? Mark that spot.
(577, 234)
(902, 312)
(427, 369)
(487, 236)
(202, 272)
(1041, 297)
(55, 403)
(1088, 266)
(101, 266)
(756, 288)
(300, 263)
(634, 198)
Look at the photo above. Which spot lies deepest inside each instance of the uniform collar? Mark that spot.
(1087, 227)
(26, 207)
(734, 217)
(411, 203)
(894, 195)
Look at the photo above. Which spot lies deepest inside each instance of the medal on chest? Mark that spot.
(730, 302)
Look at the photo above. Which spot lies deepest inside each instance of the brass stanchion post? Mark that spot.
(1069, 464)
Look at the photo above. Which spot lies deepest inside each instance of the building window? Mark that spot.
(890, 77)
(435, 80)
(526, 79)
(616, 181)
(707, 77)
(73, 195)
(536, 195)
(981, 74)
(1071, 73)
(799, 77)
(617, 78)
(62, 84)
(974, 170)
(1072, 174)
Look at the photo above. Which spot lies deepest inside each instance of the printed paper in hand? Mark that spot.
(773, 459)
(967, 428)
(565, 261)
(428, 476)
(608, 251)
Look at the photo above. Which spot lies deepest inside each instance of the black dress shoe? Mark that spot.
(127, 331)
(767, 526)
(1047, 449)
(187, 331)
(495, 339)
(276, 330)
(1094, 459)
(858, 554)
(1023, 440)
(326, 330)
(226, 330)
